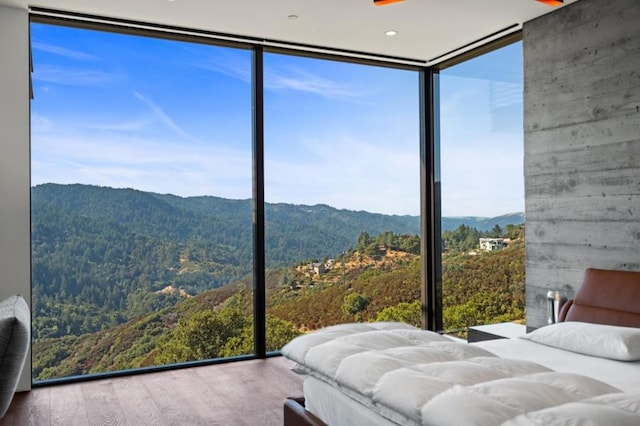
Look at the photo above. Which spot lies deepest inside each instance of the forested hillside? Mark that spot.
(482, 224)
(125, 279)
(477, 289)
(102, 256)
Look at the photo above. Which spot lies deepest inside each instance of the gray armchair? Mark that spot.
(15, 333)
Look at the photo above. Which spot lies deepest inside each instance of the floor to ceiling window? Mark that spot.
(342, 190)
(141, 176)
(143, 173)
(481, 145)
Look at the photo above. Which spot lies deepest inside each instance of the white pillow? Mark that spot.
(604, 341)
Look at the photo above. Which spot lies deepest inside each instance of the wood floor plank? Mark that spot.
(15, 410)
(242, 390)
(65, 406)
(245, 393)
(31, 408)
(103, 407)
(211, 399)
(257, 389)
(138, 407)
(169, 391)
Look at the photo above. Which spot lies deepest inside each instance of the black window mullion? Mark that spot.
(259, 294)
(431, 269)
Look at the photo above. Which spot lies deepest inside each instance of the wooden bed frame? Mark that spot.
(604, 297)
(296, 415)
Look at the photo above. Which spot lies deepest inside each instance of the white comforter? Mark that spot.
(414, 376)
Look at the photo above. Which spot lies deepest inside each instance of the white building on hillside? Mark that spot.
(491, 244)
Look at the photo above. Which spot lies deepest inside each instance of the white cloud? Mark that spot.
(75, 77)
(64, 52)
(150, 165)
(481, 169)
(232, 65)
(124, 126)
(282, 78)
(303, 81)
(348, 173)
(483, 177)
(159, 115)
(40, 123)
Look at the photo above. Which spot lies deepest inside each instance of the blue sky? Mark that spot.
(481, 138)
(174, 117)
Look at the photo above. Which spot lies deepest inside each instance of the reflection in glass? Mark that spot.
(481, 143)
(342, 191)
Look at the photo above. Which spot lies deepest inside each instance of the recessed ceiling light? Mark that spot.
(383, 2)
(552, 2)
(391, 33)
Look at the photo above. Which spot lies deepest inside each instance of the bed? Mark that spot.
(584, 369)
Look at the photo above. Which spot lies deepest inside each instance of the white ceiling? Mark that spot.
(427, 29)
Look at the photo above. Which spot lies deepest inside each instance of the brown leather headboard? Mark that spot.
(606, 297)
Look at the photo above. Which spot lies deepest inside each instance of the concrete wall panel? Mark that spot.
(582, 146)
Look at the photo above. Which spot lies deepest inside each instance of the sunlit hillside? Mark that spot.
(478, 289)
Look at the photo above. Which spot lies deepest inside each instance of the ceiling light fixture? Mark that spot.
(293, 17)
(390, 33)
(383, 2)
(553, 3)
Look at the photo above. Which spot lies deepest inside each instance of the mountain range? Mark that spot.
(170, 215)
(482, 223)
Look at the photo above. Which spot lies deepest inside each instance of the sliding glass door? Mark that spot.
(146, 165)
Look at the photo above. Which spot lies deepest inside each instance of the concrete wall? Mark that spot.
(582, 145)
(15, 253)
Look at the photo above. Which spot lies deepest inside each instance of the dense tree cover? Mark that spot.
(407, 312)
(112, 270)
(465, 238)
(462, 239)
(476, 289)
(215, 334)
(205, 335)
(376, 246)
(354, 303)
(369, 285)
(130, 345)
(102, 255)
(482, 223)
(481, 289)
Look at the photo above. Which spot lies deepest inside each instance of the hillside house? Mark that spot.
(491, 244)
(317, 268)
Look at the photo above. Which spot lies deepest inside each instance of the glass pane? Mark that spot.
(141, 202)
(481, 145)
(342, 192)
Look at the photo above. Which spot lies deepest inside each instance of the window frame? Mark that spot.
(431, 274)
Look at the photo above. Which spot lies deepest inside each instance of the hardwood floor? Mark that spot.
(237, 393)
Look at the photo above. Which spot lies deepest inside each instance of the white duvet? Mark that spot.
(414, 376)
